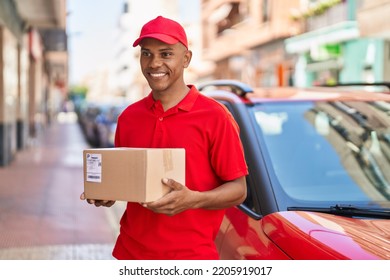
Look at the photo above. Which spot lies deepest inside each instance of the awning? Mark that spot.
(340, 32)
(43, 13)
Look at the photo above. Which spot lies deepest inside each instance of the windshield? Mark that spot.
(329, 151)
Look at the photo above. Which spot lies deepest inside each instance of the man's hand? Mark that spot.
(98, 203)
(179, 199)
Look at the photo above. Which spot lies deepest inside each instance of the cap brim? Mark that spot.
(161, 37)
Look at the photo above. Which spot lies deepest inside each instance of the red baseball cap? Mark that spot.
(165, 30)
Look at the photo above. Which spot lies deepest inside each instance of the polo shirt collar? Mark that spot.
(185, 105)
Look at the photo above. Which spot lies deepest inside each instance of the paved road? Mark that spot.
(41, 215)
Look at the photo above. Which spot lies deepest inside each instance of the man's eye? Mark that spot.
(145, 53)
(166, 54)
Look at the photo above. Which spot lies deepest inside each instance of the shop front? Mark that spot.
(337, 54)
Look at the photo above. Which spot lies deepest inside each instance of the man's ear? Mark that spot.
(187, 58)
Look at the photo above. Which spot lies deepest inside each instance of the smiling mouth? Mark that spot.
(157, 75)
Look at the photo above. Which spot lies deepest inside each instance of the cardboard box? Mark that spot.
(131, 174)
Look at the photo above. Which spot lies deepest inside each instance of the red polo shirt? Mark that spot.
(214, 154)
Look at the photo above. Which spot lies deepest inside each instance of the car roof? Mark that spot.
(314, 93)
(247, 94)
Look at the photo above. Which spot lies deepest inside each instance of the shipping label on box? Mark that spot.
(131, 174)
(94, 167)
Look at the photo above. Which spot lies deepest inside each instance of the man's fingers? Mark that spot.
(97, 203)
(172, 184)
(91, 201)
(107, 203)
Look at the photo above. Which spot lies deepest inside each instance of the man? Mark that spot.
(183, 224)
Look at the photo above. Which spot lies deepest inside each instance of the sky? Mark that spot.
(91, 29)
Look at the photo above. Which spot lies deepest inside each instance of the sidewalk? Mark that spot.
(41, 215)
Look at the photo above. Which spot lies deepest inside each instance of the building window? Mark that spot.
(266, 14)
(232, 18)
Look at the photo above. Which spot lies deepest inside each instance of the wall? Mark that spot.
(364, 61)
(8, 95)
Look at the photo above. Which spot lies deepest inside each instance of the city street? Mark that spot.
(41, 215)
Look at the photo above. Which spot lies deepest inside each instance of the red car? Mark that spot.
(319, 173)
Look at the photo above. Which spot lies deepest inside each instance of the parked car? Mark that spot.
(106, 122)
(98, 121)
(319, 173)
(87, 116)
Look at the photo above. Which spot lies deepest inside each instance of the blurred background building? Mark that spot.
(334, 46)
(245, 40)
(33, 69)
(375, 26)
(301, 43)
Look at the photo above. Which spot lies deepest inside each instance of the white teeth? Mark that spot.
(157, 75)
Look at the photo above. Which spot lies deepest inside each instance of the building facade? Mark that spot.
(332, 48)
(33, 69)
(300, 43)
(245, 40)
(374, 23)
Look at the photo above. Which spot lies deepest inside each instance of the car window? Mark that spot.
(328, 151)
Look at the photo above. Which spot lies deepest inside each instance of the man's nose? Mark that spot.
(155, 61)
